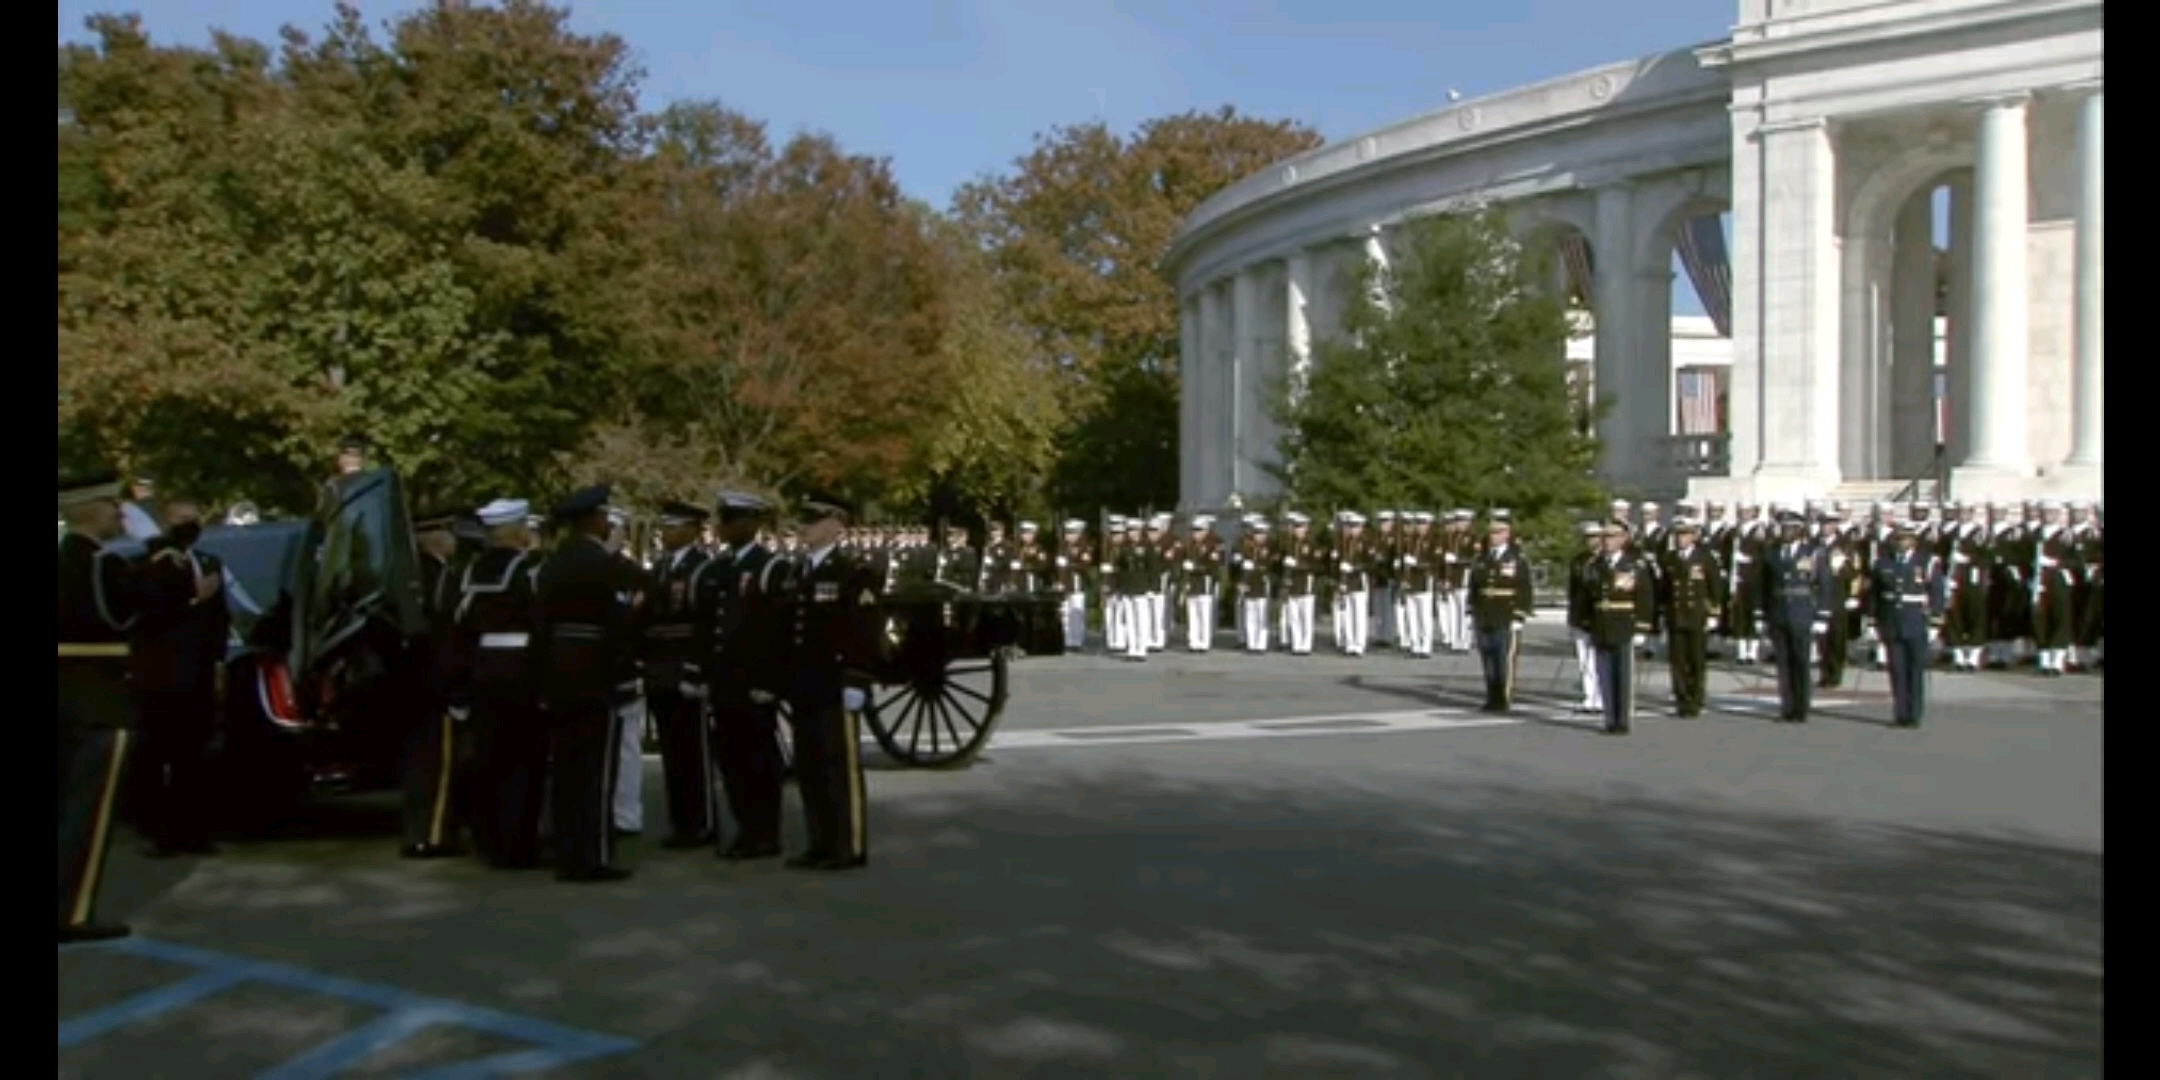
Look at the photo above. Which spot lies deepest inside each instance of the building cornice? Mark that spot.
(1778, 39)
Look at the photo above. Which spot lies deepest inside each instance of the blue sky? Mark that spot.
(951, 89)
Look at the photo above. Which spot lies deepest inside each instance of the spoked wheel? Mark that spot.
(942, 716)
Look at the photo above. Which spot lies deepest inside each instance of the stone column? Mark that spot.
(1217, 329)
(1912, 339)
(1191, 363)
(1614, 368)
(1745, 409)
(2088, 435)
(1800, 308)
(1297, 318)
(2001, 195)
(1960, 320)
(1861, 316)
(1248, 372)
(1647, 396)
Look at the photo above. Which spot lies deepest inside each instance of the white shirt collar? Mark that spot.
(817, 557)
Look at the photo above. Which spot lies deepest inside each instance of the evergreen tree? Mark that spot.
(1448, 387)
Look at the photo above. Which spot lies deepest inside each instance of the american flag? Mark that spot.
(1575, 255)
(1698, 394)
(1701, 244)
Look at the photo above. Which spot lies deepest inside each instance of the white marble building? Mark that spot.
(1824, 127)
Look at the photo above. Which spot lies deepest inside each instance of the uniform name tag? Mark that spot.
(826, 592)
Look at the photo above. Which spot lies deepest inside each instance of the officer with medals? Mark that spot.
(734, 624)
(1351, 559)
(1905, 587)
(1623, 605)
(833, 637)
(1199, 576)
(1796, 606)
(1297, 575)
(1075, 561)
(674, 684)
(1500, 599)
(587, 673)
(1132, 565)
(175, 647)
(97, 605)
(1691, 594)
(1252, 579)
(434, 785)
(1847, 575)
(488, 680)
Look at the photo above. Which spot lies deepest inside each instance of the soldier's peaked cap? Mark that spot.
(584, 501)
(1073, 525)
(1686, 525)
(1384, 515)
(1593, 528)
(353, 444)
(1029, 526)
(82, 487)
(821, 505)
(1296, 518)
(732, 503)
(504, 512)
(681, 513)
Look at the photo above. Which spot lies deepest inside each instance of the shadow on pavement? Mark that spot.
(1113, 921)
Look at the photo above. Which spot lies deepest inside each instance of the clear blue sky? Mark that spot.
(950, 89)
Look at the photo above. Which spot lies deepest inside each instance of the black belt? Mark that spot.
(579, 630)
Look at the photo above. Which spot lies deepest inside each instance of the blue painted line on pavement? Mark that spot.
(407, 1014)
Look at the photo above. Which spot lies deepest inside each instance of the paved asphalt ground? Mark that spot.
(1719, 898)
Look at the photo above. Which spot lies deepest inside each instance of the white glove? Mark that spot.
(1641, 640)
(851, 699)
(693, 691)
(761, 697)
(459, 714)
(1822, 628)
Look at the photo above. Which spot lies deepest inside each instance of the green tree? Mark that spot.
(1076, 232)
(1447, 388)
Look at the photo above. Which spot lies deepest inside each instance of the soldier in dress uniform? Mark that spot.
(735, 618)
(1414, 574)
(1294, 564)
(2091, 595)
(1033, 575)
(1199, 581)
(1623, 602)
(97, 605)
(2056, 575)
(1906, 592)
(675, 684)
(587, 674)
(1383, 626)
(1968, 574)
(1847, 578)
(1133, 571)
(1718, 533)
(1500, 603)
(958, 564)
(1449, 607)
(489, 683)
(1581, 616)
(1109, 580)
(437, 793)
(1000, 563)
(175, 646)
(1156, 612)
(1073, 567)
(1690, 598)
(833, 638)
(1751, 537)
(1252, 582)
(1349, 563)
(1796, 605)
(631, 726)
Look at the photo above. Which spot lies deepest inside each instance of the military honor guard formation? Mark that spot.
(738, 635)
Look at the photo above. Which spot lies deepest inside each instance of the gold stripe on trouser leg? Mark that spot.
(851, 739)
(442, 783)
(100, 833)
(1507, 677)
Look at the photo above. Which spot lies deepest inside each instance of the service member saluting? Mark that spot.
(1907, 589)
(1796, 605)
(587, 664)
(832, 634)
(1500, 603)
(1622, 601)
(1691, 593)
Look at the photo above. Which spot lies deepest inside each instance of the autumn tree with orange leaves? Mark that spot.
(1076, 233)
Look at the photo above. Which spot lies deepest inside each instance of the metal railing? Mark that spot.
(1699, 455)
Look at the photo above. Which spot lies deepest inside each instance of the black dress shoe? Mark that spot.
(430, 851)
(71, 935)
(685, 841)
(808, 860)
(855, 863)
(594, 877)
(1615, 730)
(741, 852)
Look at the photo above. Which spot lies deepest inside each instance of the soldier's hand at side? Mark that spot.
(852, 699)
(761, 697)
(459, 714)
(207, 586)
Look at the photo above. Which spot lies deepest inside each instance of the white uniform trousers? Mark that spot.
(1297, 616)
(1352, 617)
(1586, 666)
(1253, 623)
(1155, 618)
(1116, 622)
(1131, 614)
(630, 767)
(1414, 611)
(1075, 621)
(1199, 621)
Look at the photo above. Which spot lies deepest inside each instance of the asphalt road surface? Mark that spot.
(1241, 868)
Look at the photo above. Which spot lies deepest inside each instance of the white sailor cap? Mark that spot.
(1028, 526)
(1073, 525)
(1685, 505)
(1687, 524)
(1202, 521)
(2051, 504)
(1384, 515)
(1649, 505)
(1622, 503)
(1461, 515)
(1422, 517)
(1350, 517)
(504, 512)
(1261, 524)
(1928, 504)
(1593, 528)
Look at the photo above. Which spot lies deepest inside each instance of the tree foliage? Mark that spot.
(1448, 387)
(1076, 232)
